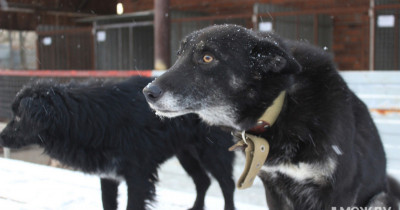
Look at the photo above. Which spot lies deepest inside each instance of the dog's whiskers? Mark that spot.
(312, 140)
(45, 109)
(52, 91)
(41, 139)
(210, 140)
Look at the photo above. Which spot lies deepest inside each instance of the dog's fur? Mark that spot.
(325, 149)
(108, 129)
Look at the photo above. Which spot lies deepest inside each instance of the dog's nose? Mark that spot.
(152, 92)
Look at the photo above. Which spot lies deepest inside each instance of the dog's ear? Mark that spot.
(268, 56)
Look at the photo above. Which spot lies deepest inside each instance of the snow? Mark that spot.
(27, 186)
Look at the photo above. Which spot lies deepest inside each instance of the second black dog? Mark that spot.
(108, 129)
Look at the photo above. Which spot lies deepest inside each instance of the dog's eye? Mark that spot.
(207, 58)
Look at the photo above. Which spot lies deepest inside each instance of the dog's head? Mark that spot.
(33, 114)
(226, 74)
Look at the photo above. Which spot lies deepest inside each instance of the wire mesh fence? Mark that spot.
(387, 39)
(65, 49)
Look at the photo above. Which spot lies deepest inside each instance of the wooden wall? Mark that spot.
(351, 41)
(350, 32)
(27, 15)
(29, 21)
(239, 6)
(350, 21)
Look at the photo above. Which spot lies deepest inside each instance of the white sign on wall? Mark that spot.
(265, 26)
(386, 21)
(47, 41)
(101, 36)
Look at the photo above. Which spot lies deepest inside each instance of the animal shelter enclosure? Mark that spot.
(88, 41)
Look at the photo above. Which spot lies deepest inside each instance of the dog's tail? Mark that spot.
(394, 187)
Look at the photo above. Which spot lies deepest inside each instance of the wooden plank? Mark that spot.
(389, 126)
(376, 88)
(75, 73)
(375, 77)
(380, 91)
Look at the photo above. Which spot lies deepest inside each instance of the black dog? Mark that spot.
(108, 129)
(325, 150)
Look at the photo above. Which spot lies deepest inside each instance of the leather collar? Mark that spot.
(270, 115)
(256, 148)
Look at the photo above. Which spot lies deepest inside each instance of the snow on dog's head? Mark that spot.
(226, 74)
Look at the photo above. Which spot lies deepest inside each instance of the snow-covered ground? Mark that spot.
(27, 186)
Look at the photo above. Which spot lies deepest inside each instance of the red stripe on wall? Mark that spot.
(75, 73)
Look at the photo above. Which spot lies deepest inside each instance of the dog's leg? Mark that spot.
(274, 200)
(394, 189)
(221, 169)
(382, 200)
(140, 189)
(196, 171)
(109, 193)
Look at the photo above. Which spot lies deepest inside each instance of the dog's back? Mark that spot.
(347, 117)
(339, 114)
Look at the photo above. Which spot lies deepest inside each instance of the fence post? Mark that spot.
(161, 34)
(371, 13)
